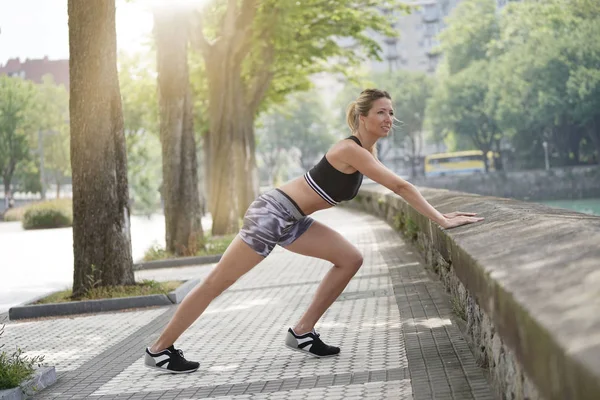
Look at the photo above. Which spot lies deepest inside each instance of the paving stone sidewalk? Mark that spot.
(394, 324)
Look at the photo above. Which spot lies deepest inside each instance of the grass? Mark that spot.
(16, 368)
(143, 288)
(207, 247)
(458, 309)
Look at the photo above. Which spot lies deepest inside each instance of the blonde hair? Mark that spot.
(361, 106)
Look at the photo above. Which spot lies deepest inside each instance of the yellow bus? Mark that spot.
(460, 162)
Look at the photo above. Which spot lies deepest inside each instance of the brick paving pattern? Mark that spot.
(393, 324)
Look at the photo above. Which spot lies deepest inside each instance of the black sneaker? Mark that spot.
(170, 360)
(310, 343)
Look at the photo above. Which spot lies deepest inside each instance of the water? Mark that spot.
(587, 206)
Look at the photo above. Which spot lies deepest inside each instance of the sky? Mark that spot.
(38, 28)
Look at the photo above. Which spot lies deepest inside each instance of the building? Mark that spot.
(416, 47)
(34, 70)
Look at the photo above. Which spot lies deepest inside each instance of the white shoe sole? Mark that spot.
(308, 353)
(169, 371)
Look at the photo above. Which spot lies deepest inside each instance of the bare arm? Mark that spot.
(364, 162)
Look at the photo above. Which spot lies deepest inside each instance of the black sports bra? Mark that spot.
(331, 184)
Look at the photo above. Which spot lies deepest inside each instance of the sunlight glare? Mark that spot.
(135, 21)
(191, 4)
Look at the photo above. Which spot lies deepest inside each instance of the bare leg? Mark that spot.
(238, 259)
(323, 242)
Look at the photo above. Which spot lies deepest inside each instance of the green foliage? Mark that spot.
(528, 75)
(49, 214)
(140, 116)
(410, 92)
(52, 121)
(293, 134)
(15, 368)
(16, 122)
(33, 118)
(308, 35)
(27, 176)
(399, 221)
(290, 41)
(468, 107)
(471, 27)
(458, 309)
(403, 223)
(411, 229)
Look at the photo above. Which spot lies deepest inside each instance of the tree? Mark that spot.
(53, 133)
(257, 50)
(180, 167)
(544, 79)
(15, 127)
(529, 75)
(466, 107)
(275, 153)
(137, 79)
(101, 235)
(297, 129)
(472, 25)
(410, 92)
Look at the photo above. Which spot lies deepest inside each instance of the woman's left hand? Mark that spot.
(459, 214)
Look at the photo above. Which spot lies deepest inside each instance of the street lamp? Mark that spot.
(545, 144)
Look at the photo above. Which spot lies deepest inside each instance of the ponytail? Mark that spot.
(352, 117)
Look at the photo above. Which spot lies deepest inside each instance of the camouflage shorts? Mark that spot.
(273, 218)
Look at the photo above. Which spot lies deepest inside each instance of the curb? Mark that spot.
(27, 311)
(43, 378)
(178, 294)
(177, 262)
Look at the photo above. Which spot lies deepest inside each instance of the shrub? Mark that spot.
(15, 214)
(49, 214)
(16, 368)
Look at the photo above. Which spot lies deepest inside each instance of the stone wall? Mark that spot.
(526, 281)
(555, 184)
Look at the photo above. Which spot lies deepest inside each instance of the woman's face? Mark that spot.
(380, 118)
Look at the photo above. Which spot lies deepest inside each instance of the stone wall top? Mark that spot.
(536, 271)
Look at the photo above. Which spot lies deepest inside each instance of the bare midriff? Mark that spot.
(305, 197)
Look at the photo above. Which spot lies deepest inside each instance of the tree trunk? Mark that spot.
(7, 194)
(594, 132)
(101, 234)
(207, 170)
(233, 103)
(226, 141)
(413, 152)
(246, 171)
(57, 177)
(180, 165)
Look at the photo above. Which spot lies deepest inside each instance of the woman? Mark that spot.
(281, 217)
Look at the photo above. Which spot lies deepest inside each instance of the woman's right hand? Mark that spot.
(459, 220)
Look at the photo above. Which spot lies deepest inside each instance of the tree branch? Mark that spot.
(230, 21)
(262, 78)
(197, 37)
(244, 34)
